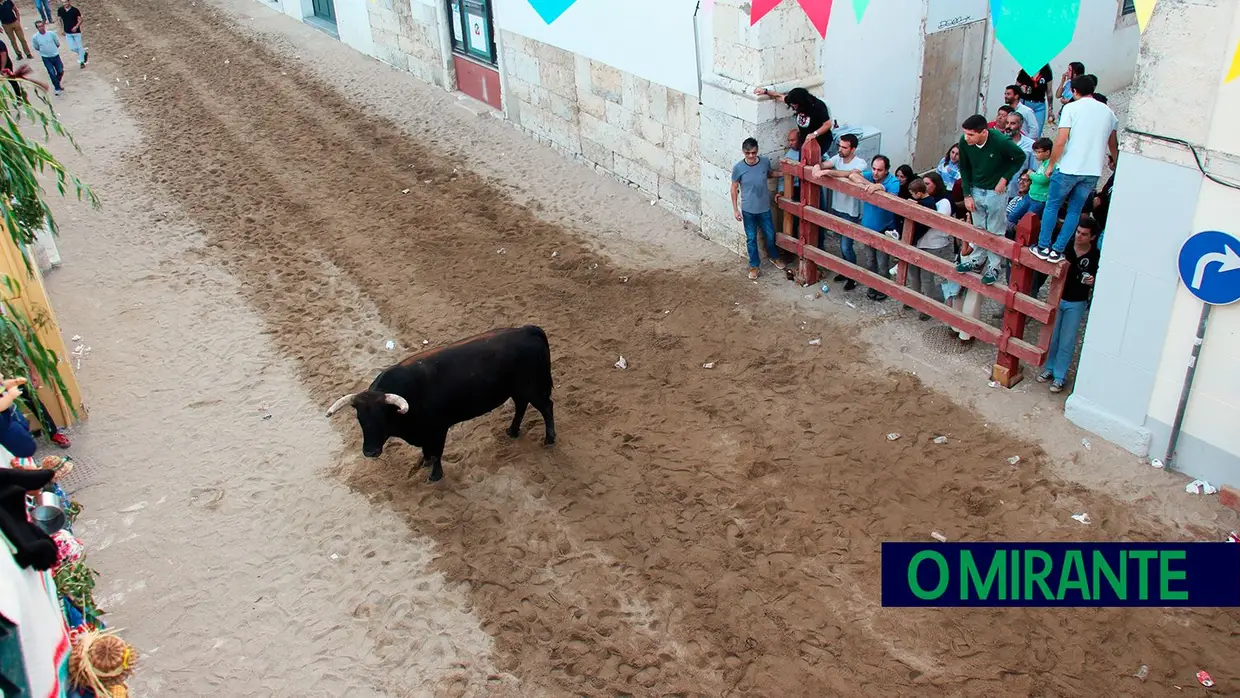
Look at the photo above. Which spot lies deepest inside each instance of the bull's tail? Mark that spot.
(545, 381)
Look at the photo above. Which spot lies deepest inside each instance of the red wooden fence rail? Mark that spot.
(1014, 297)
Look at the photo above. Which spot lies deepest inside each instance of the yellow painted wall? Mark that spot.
(32, 300)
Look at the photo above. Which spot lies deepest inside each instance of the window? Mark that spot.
(471, 30)
(1129, 7)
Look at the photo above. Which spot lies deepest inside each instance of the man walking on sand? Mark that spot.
(71, 21)
(989, 159)
(48, 46)
(11, 18)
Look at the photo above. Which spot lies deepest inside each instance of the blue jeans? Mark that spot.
(1039, 110)
(1025, 205)
(55, 70)
(44, 9)
(847, 248)
(752, 222)
(1076, 190)
(1063, 339)
(989, 213)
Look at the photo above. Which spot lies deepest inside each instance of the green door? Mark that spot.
(323, 9)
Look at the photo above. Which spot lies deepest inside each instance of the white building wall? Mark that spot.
(352, 19)
(1143, 320)
(650, 39)
(872, 71)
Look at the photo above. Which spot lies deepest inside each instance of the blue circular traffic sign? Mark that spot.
(1210, 267)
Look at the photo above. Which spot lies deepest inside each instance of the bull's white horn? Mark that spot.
(340, 403)
(401, 405)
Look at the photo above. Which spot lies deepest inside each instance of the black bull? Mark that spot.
(419, 399)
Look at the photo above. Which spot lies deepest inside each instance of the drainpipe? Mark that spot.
(1188, 385)
(697, 49)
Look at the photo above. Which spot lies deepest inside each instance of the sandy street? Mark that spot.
(693, 532)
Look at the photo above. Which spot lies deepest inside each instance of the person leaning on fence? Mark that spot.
(876, 218)
(753, 209)
(1082, 258)
(929, 191)
(793, 153)
(988, 162)
(842, 165)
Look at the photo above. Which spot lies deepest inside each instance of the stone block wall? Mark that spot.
(406, 35)
(643, 133)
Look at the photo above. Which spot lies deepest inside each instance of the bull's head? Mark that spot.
(375, 414)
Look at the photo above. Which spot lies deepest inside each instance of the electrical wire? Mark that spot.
(1193, 149)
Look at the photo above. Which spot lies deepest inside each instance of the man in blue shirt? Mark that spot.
(877, 178)
(751, 203)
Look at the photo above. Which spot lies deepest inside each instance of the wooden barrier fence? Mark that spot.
(1018, 305)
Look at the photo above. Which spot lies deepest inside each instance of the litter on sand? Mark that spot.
(390, 345)
(1156, 463)
(1203, 677)
(893, 436)
(940, 439)
(622, 363)
(938, 536)
(708, 364)
(1200, 487)
(1083, 518)
(1085, 443)
(1013, 460)
(815, 341)
(1143, 672)
(849, 304)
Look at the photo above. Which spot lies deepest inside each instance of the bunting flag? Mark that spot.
(818, 11)
(550, 10)
(859, 7)
(1233, 71)
(1034, 31)
(1145, 10)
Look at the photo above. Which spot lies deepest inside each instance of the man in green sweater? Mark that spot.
(988, 162)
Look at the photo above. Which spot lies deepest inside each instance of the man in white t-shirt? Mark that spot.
(1086, 135)
(842, 205)
(1011, 97)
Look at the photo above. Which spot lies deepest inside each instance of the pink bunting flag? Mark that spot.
(818, 11)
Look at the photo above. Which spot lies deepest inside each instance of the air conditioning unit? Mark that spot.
(869, 141)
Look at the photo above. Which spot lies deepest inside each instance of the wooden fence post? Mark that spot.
(811, 195)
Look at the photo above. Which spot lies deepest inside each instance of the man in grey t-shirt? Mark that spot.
(749, 183)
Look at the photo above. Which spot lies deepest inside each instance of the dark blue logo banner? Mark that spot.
(1061, 574)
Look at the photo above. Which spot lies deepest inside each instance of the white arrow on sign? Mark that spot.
(1228, 258)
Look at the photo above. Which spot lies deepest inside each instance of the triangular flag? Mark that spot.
(859, 7)
(1145, 10)
(1034, 31)
(819, 13)
(550, 10)
(759, 8)
(1234, 71)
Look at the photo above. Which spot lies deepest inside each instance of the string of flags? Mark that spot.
(1034, 32)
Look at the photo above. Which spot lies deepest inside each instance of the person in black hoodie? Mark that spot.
(813, 117)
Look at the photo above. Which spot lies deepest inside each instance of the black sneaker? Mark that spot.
(85, 57)
(1042, 253)
(850, 285)
(1054, 257)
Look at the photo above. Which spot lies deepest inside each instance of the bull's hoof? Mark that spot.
(513, 433)
(549, 440)
(435, 477)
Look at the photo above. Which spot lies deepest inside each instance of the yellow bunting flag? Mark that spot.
(1234, 71)
(1145, 10)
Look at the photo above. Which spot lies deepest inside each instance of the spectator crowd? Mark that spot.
(996, 174)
